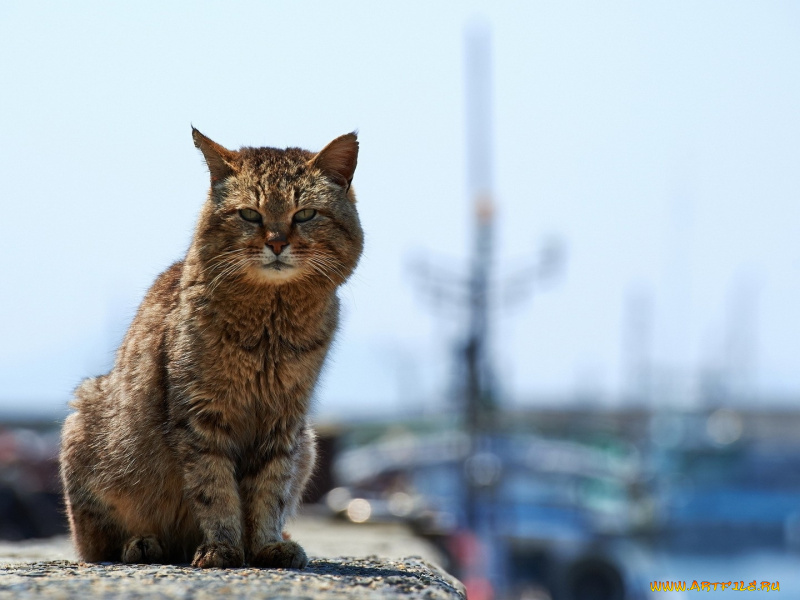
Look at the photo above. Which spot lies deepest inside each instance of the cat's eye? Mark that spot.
(301, 216)
(248, 214)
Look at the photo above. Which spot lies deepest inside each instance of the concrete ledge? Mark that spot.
(49, 569)
(330, 578)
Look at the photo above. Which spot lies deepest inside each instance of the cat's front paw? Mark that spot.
(143, 550)
(281, 555)
(218, 556)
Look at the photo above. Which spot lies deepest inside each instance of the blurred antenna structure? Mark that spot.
(740, 348)
(471, 293)
(637, 344)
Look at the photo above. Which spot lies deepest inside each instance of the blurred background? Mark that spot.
(569, 356)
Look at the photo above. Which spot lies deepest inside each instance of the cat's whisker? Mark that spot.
(318, 268)
(328, 257)
(325, 260)
(228, 268)
(224, 257)
(236, 251)
(232, 268)
(329, 265)
(322, 271)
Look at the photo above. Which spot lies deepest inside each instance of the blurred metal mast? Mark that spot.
(477, 393)
(480, 400)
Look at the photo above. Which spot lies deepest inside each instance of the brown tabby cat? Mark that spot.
(197, 444)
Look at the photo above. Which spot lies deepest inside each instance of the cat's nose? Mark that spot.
(277, 243)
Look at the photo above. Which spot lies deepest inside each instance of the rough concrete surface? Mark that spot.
(48, 569)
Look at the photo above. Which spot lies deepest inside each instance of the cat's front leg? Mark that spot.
(210, 486)
(270, 494)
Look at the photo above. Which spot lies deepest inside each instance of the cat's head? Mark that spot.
(274, 217)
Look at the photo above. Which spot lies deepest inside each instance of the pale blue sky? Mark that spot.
(659, 140)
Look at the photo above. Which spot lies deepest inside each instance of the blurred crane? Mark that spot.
(476, 384)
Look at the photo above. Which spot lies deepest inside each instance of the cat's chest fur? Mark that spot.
(251, 362)
(274, 363)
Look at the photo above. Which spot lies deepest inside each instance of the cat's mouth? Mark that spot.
(278, 266)
(277, 271)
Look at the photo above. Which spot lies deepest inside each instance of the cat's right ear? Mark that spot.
(338, 159)
(221, 161)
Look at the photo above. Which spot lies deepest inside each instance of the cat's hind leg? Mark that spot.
(96, 534)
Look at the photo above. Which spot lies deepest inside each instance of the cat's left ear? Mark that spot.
(221, 161)
(338, 159)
